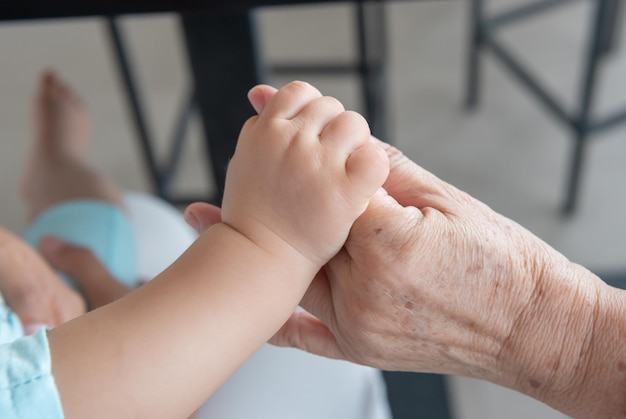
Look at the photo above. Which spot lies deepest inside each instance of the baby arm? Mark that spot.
(303, 171)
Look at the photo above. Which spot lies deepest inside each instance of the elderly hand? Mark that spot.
(31, 289)
(432, 280)
(429, 280)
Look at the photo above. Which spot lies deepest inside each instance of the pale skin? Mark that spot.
(303, 171)
(432, 280)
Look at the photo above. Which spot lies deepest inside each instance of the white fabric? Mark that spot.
(283, 383)
(275, 383)
(162, 234)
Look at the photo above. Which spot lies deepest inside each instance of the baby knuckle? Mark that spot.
(356, 121)
(332, 103)
(301, 87)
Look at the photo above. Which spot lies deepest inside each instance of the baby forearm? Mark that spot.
(161, 350)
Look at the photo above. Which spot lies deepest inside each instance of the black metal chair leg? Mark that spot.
(372, 54)
(573, 184)
(179, 138)
(134, 102)
(473, 58)
(612, 26)
(600, 35)
(604, 34)
(221, 48)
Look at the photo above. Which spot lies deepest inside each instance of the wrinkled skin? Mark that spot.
(432, 280)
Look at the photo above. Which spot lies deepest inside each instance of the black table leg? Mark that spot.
(223, 62)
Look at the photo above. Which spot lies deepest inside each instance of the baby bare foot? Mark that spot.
(62, 126)
(309, 168)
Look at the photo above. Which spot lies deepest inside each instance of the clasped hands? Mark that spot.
(429, 280)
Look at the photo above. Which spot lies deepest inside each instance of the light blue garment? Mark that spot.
(99, 226)
(27, 388)
(10, 326)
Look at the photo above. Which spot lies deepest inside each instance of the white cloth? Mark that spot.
(275, 383)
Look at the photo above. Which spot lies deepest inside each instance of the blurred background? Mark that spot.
(508, 152)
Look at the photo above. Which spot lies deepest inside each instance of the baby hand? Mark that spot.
(31, 289)
(303, 171)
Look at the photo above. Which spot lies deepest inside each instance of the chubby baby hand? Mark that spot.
(303, 171)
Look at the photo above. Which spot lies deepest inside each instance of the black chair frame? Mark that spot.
(603, 35)
(370, 68)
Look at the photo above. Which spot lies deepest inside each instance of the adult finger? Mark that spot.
(318, 298)
(411, 185)
(306, 332)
